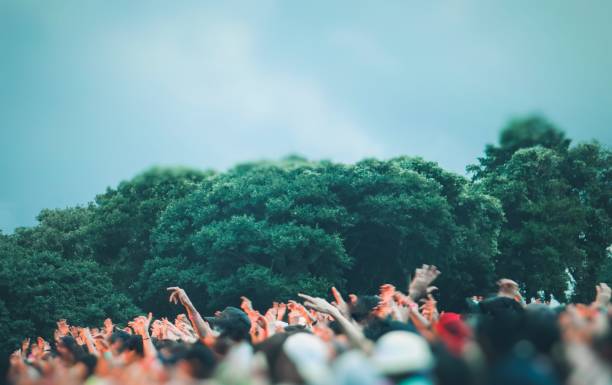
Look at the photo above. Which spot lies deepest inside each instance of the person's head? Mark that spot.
(170, 352)
(507, 288)
(118, 341)
(377, 327)
(362, 308)
(304, 360)
(453, 332)
(133, 349)
(400, 355)
(197, 362)
(499, 325)
(232, 324)
(541, 327)
(87, 363)
(68, 349)
(272, 349)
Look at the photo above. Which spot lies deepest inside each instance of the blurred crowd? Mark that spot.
(392, 337)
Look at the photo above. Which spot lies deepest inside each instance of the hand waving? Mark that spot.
(423, 277)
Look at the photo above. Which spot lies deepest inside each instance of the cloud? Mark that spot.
(364, 48)
(213, 76)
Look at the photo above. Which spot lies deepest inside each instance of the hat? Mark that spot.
(400, 352)
(232, 322)
(355, 368)
(229, 314)
(310, 356)
(453, 332)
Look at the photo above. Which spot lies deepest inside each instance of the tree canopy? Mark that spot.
(536, 209)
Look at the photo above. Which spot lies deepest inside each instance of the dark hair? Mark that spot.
(134, 343)
(377, 327)
(294, 328)
(363, 307)
(75, 349)
(541, 328)
(201, 359)
(170, 352)
(121, 336)
(278, 363)
(90, 361)
(499, 325)
(233, 323)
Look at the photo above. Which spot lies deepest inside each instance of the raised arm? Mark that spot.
(423, 277)
(352, 332)
(200, 326)
(141, 327)
(85, 335)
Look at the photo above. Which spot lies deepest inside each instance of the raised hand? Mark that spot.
(319, 304)
(604, 293)
(156, 330)
(178, 295)
(386, 292)
(246, 304)
(74, 332)
(423, 277)
(302, 312)
(429, 309)
(138, 325)
(272, 313)
(339, 302)
(247, 307)
(282, 309)
(108, 326)
(25, 345)
(510, 289)
(63, 328)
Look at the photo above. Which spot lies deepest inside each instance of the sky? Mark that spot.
(94, 92)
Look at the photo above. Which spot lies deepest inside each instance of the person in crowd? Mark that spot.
(385, 338)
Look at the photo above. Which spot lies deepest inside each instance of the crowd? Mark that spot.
(385, 339)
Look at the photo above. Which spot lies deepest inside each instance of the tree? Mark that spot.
(38, 288)
(122, 219)
(62, 231)
(520, 133)
(272, 229)
(588, 169)
(540, 238)
(556, 200)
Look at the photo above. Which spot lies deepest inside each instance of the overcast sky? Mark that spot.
(94, 92)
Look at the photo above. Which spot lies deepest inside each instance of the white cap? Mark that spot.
(310, 356)
(355, 368)
(401, 352)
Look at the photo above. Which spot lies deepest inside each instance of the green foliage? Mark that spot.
(520, 133)
(557, 202)
(273, 229)
(535, 209)
(38, 288)
(62, 231)
(119, 228)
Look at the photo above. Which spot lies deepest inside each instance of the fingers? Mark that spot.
(306, 297)
(337, 296)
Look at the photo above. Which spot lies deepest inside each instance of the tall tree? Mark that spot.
(272, 229)
(556, 200)
(38, 288)
(122, 219)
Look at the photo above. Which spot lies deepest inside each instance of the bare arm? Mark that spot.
(352, 332)
(201, 327)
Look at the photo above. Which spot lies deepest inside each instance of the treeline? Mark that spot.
(536, 209)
